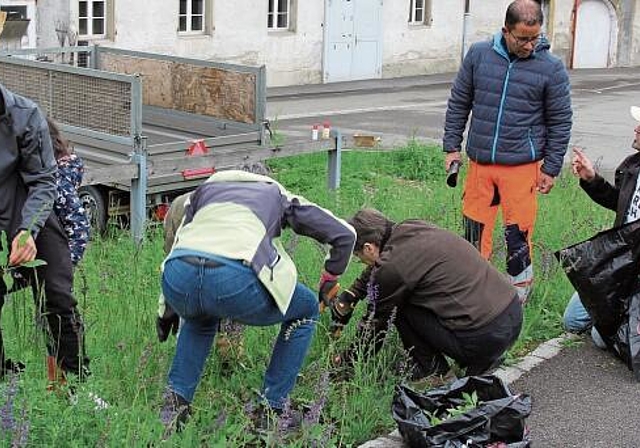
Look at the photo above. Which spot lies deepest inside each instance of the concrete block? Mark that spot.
(508, 374)
(392, 440)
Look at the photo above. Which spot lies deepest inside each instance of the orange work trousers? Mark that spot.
(511, 187)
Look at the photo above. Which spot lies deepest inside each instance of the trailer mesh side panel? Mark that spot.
(99, 104)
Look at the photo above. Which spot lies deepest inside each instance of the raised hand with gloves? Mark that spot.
(327, 289)
(341, 311)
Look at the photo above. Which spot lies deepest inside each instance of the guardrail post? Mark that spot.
(138, 193)
(334, 161)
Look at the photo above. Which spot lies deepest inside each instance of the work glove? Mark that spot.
(327, 289)
(167, 323)
(341, 312)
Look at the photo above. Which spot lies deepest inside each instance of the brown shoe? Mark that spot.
(56, 379)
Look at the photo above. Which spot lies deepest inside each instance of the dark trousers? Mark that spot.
(52, 286)
(479, 350)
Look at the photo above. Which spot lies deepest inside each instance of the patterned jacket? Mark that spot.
(241, 215)
(68, 207)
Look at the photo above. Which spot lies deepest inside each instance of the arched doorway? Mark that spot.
(595, 34)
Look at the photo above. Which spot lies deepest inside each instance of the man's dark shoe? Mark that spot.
(267, 419)
(174, 413)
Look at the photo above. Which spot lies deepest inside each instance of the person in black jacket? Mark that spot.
(623, 198)
(441, 295)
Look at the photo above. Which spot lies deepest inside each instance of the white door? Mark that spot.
(353, 40)
(593, 35)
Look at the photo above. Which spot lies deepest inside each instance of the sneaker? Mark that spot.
(174, 413)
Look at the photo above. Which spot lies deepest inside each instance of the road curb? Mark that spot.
(509, 374)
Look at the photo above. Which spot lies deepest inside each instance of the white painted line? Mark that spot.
(605, 89)
(356, 111)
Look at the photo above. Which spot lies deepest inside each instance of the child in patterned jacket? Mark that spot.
(67, 206)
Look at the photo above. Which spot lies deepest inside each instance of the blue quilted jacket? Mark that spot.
(520, 108)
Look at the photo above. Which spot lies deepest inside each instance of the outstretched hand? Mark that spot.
(582, 166)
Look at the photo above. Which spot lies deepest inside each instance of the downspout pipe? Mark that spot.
(574, 27)
(465, 29)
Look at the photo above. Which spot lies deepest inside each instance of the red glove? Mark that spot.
(327, 288)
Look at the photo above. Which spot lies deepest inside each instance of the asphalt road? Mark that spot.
(583, 397)
(400, 109)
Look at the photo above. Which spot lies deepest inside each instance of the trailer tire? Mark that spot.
(93, 201)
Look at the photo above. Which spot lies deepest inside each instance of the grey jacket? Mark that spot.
(27, 166)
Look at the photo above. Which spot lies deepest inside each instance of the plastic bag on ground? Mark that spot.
(498, 420)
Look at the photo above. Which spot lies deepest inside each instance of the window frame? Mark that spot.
(425, 9)
(90, 19)
(189, 15)
(273, 15)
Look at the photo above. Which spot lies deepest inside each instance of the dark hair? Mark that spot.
(61, 146)
(528, 12)
(371, 226)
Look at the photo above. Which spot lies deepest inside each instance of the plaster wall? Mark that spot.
(410, 50)
(635, 37)
(30, 39)
(52, 14)
(560, 30)
(237, 34)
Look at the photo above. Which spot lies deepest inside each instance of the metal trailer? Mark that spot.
(133, 117)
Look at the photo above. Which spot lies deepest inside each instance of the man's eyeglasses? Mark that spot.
(522, 41)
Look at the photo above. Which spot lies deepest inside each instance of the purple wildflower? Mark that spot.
(144, 358)
(285, 419)
(296, 324)
(7, 420)
(21, 434)
(312, 416)
(373, 292)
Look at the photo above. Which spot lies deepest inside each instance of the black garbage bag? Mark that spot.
(498, 418)
(626, 342)
(604, 270)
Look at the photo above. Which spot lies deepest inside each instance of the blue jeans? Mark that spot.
(203, 295)
(576, 319)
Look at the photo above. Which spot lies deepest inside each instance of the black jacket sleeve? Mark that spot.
(602, 192)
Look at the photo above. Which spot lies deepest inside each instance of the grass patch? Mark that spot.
(118, 283)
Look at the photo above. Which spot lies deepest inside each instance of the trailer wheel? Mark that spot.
(94, 203)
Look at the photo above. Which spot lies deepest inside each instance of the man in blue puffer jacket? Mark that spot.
(519, 97)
